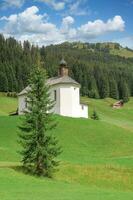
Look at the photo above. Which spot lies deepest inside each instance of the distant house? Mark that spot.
(118, 104)
(64, 91)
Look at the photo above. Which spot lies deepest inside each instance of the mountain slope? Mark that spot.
(96, 161)
(112, 48)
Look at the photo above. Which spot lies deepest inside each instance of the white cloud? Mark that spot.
(66, 28)
(35, 27)
(75, 8)
(28, 21)
(59, 5)
(66, 23)
(54, 4)
(12, 3)
(68, 20)
(98, 27)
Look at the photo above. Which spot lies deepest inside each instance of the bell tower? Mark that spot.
(63, 69)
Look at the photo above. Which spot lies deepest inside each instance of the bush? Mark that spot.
(12, 94)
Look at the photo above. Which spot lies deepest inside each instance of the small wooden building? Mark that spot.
(118, 104)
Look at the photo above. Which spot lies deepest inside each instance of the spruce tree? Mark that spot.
(114, 93)
(39, 147)
(95, 115)
(3, 82)
(93, 90)
(124, 91)
(104, 87)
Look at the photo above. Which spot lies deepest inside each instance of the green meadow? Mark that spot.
(96, 162)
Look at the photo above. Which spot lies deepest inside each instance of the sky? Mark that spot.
(45, 22)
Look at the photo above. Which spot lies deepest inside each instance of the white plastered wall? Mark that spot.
(56, 108)
(21, 104)
(67, 101)
(70, 101)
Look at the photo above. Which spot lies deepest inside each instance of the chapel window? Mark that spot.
(55, 95)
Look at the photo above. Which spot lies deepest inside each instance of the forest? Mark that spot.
(100, 73)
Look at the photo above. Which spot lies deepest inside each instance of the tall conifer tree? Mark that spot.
(104, 87)
(3, 82)
(124, 91)
(39, 147)
(114, 93)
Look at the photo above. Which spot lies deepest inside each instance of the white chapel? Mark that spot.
(64, 91)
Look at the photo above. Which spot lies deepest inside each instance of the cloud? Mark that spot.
(35, 27)
(12, 3)
(54, 4)
(19, 3)
(75, 8)
(67, 22)
(28, 21)
(72, 7)
(98, 27)
(66, 28)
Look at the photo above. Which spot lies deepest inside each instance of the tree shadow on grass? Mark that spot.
(16, 167)
(22, 170)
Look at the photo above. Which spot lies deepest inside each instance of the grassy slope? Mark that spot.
(7, 104)
(96, 162)
(122, 52)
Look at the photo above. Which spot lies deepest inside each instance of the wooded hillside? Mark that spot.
(100, 73)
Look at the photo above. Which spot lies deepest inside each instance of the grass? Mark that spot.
(122, 52)
(15, 185)
(96, 162)
(7, 105)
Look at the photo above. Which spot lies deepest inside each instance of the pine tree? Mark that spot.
(39, 147)
(93, 90)
(104, 87)
(95, 115)
(3, 82)
(124, 91)
(113, 89)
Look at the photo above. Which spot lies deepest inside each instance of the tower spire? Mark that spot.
(63, 68)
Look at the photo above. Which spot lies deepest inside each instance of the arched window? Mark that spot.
(26, 103)
(55, 95)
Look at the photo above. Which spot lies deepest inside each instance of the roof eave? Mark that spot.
(62, 83)
(20, 94)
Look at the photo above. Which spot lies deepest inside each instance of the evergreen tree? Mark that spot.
(124, 91)
(104, 87)
(113, 89)
(93, 90)
(40, 148)
(85, 61)
(95, 115)
(3, 82)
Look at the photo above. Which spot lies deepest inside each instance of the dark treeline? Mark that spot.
(16, 62)
(100, 74)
